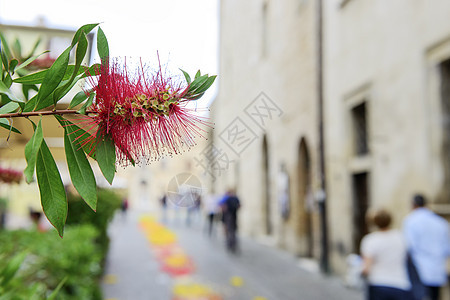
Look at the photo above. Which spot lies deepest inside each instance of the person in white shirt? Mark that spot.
(384, 261)
(427, 236)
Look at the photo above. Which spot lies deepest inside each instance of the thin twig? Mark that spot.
(41, 113)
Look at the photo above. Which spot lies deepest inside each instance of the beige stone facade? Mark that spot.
(388, 60)
(386, 109)
(265, 118)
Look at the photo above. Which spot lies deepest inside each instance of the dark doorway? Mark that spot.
(360, 204)
(305, 206)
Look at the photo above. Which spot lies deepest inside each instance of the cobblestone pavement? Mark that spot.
(156, 260)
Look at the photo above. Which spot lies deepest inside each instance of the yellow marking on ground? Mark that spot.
(177, 260)
(259, 298)
(194, 291)
(236, 281)
(110, 279)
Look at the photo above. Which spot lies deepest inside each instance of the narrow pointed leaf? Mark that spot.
(29, 61)
(51, 188)
(77, 99)
(17, 48)
(54, 76)
(5, 124)
(86, 29)
(86, 105)
(12, 65)
(38, 42)
(197, 75)
(186, 75)
(5, 47)
(82, 138)
(58, 288)
(7, 92)
(79, 56)
(9, 107)
(38, 77)
(195, 97)
(197, 82)
(105, 153)
(12, 267)
(31, 150)
(80, 169)
(202, 88)
(102, 45)
(26, 88)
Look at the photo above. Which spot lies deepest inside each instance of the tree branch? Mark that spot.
(41, 113)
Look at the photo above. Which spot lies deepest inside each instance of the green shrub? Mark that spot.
(48, 260)
(80, 213)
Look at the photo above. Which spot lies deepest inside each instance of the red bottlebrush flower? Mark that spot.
(10, 175)
(146, 115)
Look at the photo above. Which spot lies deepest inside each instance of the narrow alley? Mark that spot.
(149, 259)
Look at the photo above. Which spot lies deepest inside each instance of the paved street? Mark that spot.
(171, 261)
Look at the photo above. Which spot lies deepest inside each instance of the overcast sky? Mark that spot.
(185, 33)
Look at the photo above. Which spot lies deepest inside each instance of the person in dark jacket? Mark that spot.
(230, 205)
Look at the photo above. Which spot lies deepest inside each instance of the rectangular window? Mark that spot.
(444, 69)
(359, 122)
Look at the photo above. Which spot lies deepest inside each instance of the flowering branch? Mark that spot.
(41, 113)
(126, 116)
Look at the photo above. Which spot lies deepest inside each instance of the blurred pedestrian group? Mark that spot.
(406, 265)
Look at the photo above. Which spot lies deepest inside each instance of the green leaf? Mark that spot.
(5, 47)
(198, 81)
(186, 75)
(86, 29)
(29, 61)
(51, 188)
(12, 267)
(58, 288)
(5, 124)
(31, 151)
(26, 88)
(79, 56)
(102, 45)
(4, 61)
(33, 78)
(78, 99)
(54, 76)
(31, 104)
(82, 138)
(38, 41)
(105, 152)
(38, 77)
(194, 97)
(197, 75)
(9, 107)
(80, 170)
(86, 105)
(12, 65)
(6, 91)
(17, 48)
(203, 87)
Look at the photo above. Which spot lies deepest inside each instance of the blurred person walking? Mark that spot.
(427, 236)
(230, 205)
(212, 210)
(384, 261)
